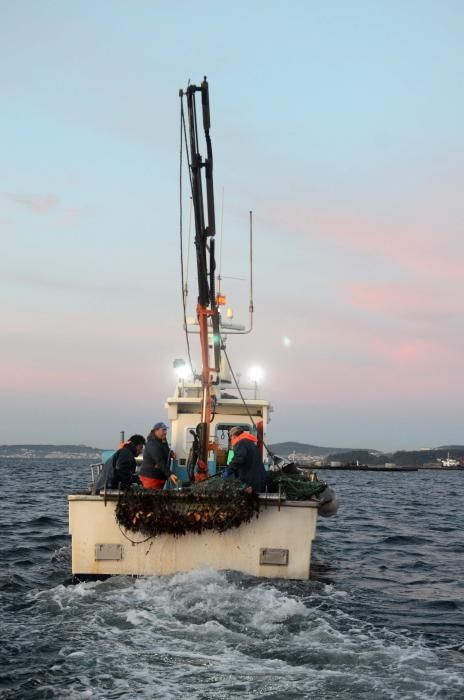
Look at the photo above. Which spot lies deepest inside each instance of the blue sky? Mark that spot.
(338, 123)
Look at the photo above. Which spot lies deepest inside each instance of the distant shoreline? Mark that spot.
(49, 452)
(308, 454)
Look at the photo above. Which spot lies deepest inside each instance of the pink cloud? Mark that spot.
(415, 354)
(341, 358)
(66, 216)
(420, 251)
(384, 371)
(38, 204)
(405, 300)
(30, 379)
(72, 372)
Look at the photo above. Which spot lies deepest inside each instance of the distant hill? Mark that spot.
(50, 451)
(416, 458)
(369, 456)
(285, 448)
(449, 447)
(420, 457)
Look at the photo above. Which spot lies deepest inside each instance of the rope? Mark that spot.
(182, 126)
(150, 537)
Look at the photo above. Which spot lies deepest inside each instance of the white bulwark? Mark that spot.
(277, 544)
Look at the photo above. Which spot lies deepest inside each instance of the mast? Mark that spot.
(201, 170)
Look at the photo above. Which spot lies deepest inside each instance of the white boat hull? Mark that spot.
(277, 544)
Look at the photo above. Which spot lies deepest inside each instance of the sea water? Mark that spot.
(382, 616)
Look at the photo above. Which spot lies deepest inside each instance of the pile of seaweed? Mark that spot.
(294, 484)
(215, 504)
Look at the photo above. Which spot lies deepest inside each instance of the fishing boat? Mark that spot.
(450, 462)
(122, 533)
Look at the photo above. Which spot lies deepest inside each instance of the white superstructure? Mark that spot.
(450, 462)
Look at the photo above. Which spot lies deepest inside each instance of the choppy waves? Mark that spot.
(214, 635)
(382, 619)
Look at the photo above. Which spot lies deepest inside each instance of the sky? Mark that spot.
(340, 124)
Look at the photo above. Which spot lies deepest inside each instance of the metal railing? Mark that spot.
(95, 470)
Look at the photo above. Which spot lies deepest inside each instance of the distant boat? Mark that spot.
(450, 462)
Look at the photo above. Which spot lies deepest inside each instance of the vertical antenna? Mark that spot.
(251, 263)
(221, 243)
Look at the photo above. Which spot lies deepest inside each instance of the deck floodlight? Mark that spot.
(181, 369)
(255, 374)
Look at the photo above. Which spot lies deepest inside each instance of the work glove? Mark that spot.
(174, 478)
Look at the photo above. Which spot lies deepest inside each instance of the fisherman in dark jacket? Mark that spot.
(119, 470)
(156, 459)
(247, 463)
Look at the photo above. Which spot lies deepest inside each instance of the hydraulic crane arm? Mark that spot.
(205, 230)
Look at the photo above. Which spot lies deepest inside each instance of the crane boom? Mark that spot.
(205, 230)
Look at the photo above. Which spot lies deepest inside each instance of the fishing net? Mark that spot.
(216, 504)
(295, 486)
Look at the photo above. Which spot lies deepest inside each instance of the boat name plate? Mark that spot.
(108, 552)
(275, 557)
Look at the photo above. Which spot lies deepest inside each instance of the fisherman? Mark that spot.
(119, 470)
(156, 459)
(246, 464)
